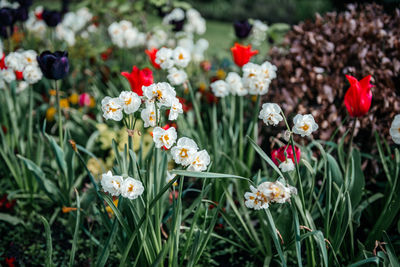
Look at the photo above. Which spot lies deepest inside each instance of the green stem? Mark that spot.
(30, 117)
(60, 125)
(241, 128)
(350, 151)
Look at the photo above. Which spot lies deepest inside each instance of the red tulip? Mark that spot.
(84, 100)
(242, 54)
(278, 155)
(138, 78)
(2, 63)
(19, 75)
(359, 96)
(152, 57)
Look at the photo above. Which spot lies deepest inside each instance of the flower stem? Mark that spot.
(350, 151)
(60, 127)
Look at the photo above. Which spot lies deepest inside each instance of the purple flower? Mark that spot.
(7, 16)
(21, 14)
(51, 17)
(242, 28)
(54, 66)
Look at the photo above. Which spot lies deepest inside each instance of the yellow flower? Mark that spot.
(95, 166)
(52, 92)
(67, 209)
(109, 209)
(51, 111)
(221, 74)
(64, 103)
(74, 98)
(92, 102)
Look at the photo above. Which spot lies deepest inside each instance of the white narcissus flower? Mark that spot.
(148, 115)
(277, 192)
(176, 109)
(8, 75)
(130, 101)
(15, 61)
(32, 74)
(304, 124)
(268, 192)
(256, 199)
(171, 177)
(131, 188)
(164, 58)
(184, 151)
(395, 129)
(258, 85)
(176, 77)
(271, 114)
(269, 70)
(111, 183)
(163, 93)
(200, 161)
(29, 58)
(176, 14)
(235, 84)
(112, 108)
(220, 88)
(164, 138)
(287, 165)
(251, 70)
(181, 57)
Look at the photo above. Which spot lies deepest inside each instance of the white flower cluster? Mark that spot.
(124, 35)
(157, 38)
(195, 23)
(271, 114)
(186, 154)
(112, 108)
(116, 185)
(255, 81)
(5, 3)
(395, 129)
(35, 25)
(73, 23)
(304, 125)
(160, 94)
(174, 60)
(195, 49)
(22, 66)
(266, 193)
(258, 32)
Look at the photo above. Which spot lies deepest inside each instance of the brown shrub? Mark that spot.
(316, 56)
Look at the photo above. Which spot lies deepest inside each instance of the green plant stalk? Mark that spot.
(309, 244)
(76, 232)
(60, 127)
(349, 154)
(241, 145)
(196, 109)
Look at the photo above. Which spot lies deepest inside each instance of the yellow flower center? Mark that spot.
(130, 188)
(183, 153)
(180, 56)
(305, 127)
(128, 102)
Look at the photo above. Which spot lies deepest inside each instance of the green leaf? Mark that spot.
(357, 185)
(335, 169)
(11, 219)
(49, 246)
(207, 175)
(48, 186)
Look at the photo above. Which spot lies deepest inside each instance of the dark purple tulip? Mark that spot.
(178, 25)
(21, 14)
(242, 28)
(6, 31)
(51, 17)
(25, 3)
(7, 16)
(54, 66)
